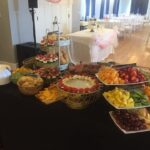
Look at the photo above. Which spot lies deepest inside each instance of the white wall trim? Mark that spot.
(12, 65)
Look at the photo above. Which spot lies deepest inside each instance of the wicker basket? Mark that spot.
(80, 101)
(29, 85)
(30, 90)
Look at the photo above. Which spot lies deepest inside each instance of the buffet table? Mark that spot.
(93, 46)
(28, 124)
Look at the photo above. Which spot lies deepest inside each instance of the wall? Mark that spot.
(15, 28)
(7, 52)
(16, 23)
(76, 15)
(20, 21)
(45, 14)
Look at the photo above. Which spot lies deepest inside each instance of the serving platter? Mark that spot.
(138, 83)
(123, 75)
(50, 95)
(147, 129)
(135, 107)
(79, 84)
(128, 97)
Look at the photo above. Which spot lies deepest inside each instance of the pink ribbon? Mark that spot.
(102, 41)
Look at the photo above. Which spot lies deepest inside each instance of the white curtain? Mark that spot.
(83, 8)
(97, 8)
(124, 7)
(148, 10)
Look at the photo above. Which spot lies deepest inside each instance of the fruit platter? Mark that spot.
(46, 60)
(132, 121)
(48, 74)
(126, 75)
(91, 69)
(50, 94)
(128, 98)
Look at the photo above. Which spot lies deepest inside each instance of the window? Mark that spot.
(96, 8)
(101, 8)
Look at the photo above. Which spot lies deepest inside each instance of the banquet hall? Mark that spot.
(131, 19)
(68, 47)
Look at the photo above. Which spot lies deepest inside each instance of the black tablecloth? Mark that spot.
(28, 124)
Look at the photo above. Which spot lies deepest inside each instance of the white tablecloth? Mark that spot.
(92, 46)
